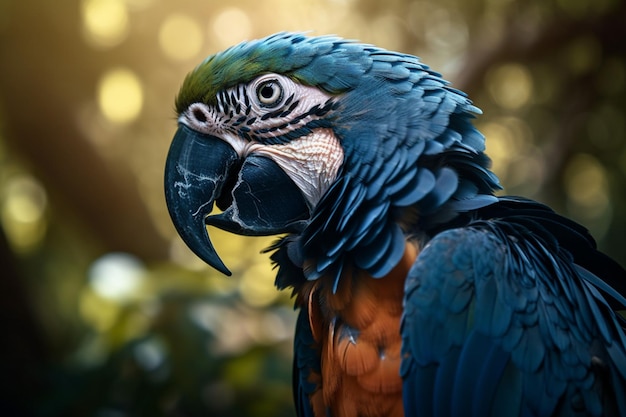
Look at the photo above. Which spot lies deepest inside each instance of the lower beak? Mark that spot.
(257, 196)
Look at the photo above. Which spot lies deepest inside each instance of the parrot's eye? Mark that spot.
(269, 93)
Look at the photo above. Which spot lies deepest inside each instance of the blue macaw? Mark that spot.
(420, 293)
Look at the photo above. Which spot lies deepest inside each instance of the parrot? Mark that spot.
(419, 290)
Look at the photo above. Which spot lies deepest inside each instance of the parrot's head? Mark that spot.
(344, 146)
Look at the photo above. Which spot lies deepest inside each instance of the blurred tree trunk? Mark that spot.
(45, 72)
(524, 43)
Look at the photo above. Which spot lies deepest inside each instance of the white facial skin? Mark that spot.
(312, 161)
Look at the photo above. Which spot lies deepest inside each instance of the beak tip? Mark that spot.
(219, 265)
(195, 165)
(201, 245)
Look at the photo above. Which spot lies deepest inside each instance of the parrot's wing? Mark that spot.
(500, 322)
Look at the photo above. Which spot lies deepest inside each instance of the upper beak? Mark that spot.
(195, 170)
(257, 196)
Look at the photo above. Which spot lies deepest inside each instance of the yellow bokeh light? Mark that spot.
(139, 4)
(120, 95)
(180, 37)
(97, 311)
(232, 26)
(23, 210)
(257, 285)
(105, 22)
(588, 199)
(501, 144)
(27, 200)
(510, 85)
(586, 184)
(507, 139)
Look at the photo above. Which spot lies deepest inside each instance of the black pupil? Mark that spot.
(267, 91)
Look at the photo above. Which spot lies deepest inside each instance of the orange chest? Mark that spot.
(357, 330)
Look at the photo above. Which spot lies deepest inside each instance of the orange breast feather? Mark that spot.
(358, 332)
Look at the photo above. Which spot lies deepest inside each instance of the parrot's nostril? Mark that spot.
(199, 115)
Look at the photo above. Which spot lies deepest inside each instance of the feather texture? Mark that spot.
(509, 308)
(519, 330)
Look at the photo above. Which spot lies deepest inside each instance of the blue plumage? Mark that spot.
(522, 313)
(509, 309)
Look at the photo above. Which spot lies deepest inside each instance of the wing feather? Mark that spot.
(499, 320)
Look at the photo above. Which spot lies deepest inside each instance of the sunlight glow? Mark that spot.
(510, 85)
(139, 4)
(100, 313)
(117, 276)
(257, 285)
(502, 145)
(24, 203)
(516, 160)
(232, 26)
(180, 37)
(587, 185)
(105, 22)
(120, 95)
(588, 194)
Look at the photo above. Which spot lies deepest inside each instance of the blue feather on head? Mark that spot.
(408, 139)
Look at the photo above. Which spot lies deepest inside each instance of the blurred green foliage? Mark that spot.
(103, 311)
(170, 370)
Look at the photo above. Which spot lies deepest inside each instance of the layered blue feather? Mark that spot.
(409, 145)
(509, 309)
(510, 325)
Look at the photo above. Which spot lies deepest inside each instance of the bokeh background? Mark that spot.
(104, 312)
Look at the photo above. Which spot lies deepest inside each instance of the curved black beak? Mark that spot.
(195, 170)
(257, 196)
